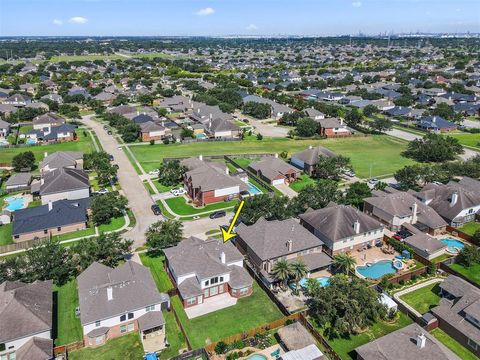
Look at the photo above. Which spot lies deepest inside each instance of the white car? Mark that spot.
(373, 181)
(154, 172)
(178, 192)
(102, 191)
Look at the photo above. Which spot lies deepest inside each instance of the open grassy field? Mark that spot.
(67, 326)
(83, 143)
(379, 154)
(124, 347)
(249, 312)
(453, 345)
(472, 140)
(180, 207)
(424, 298)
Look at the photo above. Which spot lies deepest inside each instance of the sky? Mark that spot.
(234, 17)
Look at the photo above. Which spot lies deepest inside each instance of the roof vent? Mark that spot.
(421, 339)
(109, 293)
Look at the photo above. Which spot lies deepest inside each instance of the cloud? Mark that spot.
(205, 11)
(252, 27)
(78, 20)
(57, 22)
(357, 4)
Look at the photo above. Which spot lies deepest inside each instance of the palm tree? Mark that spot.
(281, 271)
(344, 263)
(298, 270)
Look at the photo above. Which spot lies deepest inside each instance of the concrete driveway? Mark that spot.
(286, 190)
(262, 127)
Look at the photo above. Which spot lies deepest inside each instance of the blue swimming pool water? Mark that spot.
(377, 270)
(31, 141)
(252, 189)
(201, 136)
(256, 357)
(15, 203)
(323, 281)
(453, 243)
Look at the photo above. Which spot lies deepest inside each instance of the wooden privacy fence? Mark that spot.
(62, 349)
(407, 276)
(461, 235)
(18, 246)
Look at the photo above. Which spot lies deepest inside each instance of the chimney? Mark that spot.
(356, 227)
(138, 112)
(289, 245)
(434, 119)
(454, 199)
(414, 213)
(341, 121)
(50, 205)
(223, 257)
(201, 157)
(421, 339)
(109, 293)
(45, 154)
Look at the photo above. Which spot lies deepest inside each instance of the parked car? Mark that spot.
(105, 127)
(156, 209)
(217, 214)
(115, 166)
(77, 311)
(178, 192)
(350, 173)
(109, 132)
(373, 181)
(110, 157)
(102, 191)
(397, 237)
(154, 172)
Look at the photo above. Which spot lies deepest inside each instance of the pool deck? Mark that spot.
(371, 255)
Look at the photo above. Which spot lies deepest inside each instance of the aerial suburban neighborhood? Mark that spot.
(193, 194)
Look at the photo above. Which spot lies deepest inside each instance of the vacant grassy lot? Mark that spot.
(83, 143)
(180, 207)
(155, 264)
(423, 299)
(467, 139)
(470, 228)
(472, 272)
(248, 313)
(453, 345)
(124, 347)
(68, 328)
(381, 154)
(345, 346)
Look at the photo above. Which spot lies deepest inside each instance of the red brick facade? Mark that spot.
(113, 332)
(223, 288)
(331, 133)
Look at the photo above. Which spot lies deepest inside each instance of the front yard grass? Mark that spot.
(180, 207)
(114, 224)
(472, 272)
(345, 346)
(380, 153)
(467, 139)
(75, 234)
(249, 312)
(124, 347)
(453, 344)
(155, 264)
(423, 299)
(67, 326)
(6, 234)
(470, 228)
(302, 181)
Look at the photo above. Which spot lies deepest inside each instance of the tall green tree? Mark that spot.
(282, 272)
(107, 206)
(344, 263)
(331, 168)
(298, 270)
(355, 194)
(24, 160)
(315, 196)
(171, 173)
(163, 234)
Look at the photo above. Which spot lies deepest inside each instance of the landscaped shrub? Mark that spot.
(239, 344)
(400, 246)
(221, 348)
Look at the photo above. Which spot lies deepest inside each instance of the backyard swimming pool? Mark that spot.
(201, 136)
(453, 245)
(377, 270)
(15, 203)
(252, 189)
(31, 141)
(256, 357)
(323, 281)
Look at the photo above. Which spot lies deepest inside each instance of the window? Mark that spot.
(123, 317)
(99, 340)
(97, 323)
(214, 280)
(150, 308)
(130, 316)
(16, 237)
(13, 355)
(3, 357)
(191, 301)
(45, 231)
(243, 291)
(2, 347)
(123, 329)
(207, 282)
(472, 344)
(130, 327)
(221, 278)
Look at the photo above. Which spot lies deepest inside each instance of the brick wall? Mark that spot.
(53, 231)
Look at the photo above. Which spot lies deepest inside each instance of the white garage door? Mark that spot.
(279, 181)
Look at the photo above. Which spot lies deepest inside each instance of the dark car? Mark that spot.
(217, 214)
(105, 127)
(115, 166)
(110, 157)
(156, 209)
(109, 132)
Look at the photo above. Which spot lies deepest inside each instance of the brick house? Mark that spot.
(308, 159)
(204, 269)
(333, 127)
(152, 131)
(274, 170)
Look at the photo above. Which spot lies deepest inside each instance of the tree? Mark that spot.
(47, 260)
(434, 148)
(23, 161)
(107, 206)
(306, 127)
(381, 124)
(130, 132)
(171, 173)
(315, 196)
(355, 194)
(145, 99)
(344, 263)
(264, 205)
(369, 110)
(354, 117)
(469, 255)
(120, 100)
(163, 234)
(331, 167)
(298, 270)
(100, 163)
(257, 110)
(186, 133)
(282, 271)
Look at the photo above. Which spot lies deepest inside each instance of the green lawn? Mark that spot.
(303, 181)
(35, 203)
(441, 258)
(124, 347)
(470, 228)
(68, 327)
(380, 153)
(472, 272)
(6, 234)
(180, 207)
(115, 224)
(249, 312)
(163, 188)
(345, 346)
(75, 234)
(155, 264)
(244, 162)
(83, 143)
(453, 345)
(467, 139)
(174, 336)
(423, 299)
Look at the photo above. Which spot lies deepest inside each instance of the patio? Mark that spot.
(210, 305)
(371, 255)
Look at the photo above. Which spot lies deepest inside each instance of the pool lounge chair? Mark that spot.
(276, 353)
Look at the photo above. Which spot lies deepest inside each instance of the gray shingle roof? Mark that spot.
(150, 320)
(36, 348)
(132, 288)
(19, 179)
(64, 179)
(272, 167)
(49, 119)
(425, 243)
(26, 308)
(61, 159)
(310, 156)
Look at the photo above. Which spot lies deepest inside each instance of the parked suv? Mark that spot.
(156, 209)
(217, 214)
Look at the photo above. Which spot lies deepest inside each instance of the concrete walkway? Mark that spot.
(397, 295)
(286, 190)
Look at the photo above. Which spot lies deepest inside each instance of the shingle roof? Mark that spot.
(268, 239)
(425, 243)
(26, 308)
(64, 179)
(310, 156)
(36, 348)
(61, 159)
(132, 288)
(150, 320)
(49, 118)
(272, 167)
(19, 179)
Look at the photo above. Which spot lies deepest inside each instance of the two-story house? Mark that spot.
(308, 159)
(114, 302)
(342, 228)
(202, 270)
(61, 159)
(266, 242)
(64, 183)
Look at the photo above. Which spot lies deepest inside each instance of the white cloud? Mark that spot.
(78, 20)
(357, 4)
(57, 22)
(252, 27)
(205, 11)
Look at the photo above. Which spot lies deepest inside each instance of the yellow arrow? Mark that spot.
(227, 234)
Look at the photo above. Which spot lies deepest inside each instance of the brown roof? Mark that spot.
(310, 156)
(36, 348)
(295, 336)
(272, 167)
